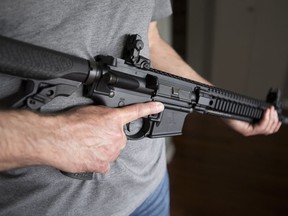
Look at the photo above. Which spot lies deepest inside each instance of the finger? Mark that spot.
(123, 145)
(275, 121)
(136, 111)
(277, 127)
(272, 120)
(103, 168)
(107, 168)
(262, 126)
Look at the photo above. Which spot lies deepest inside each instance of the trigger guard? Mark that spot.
(145, 128)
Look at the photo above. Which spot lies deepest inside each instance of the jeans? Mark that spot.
(158, 203)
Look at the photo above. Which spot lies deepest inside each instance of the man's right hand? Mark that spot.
(83, 139)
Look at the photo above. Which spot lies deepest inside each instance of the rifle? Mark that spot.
(116, 82)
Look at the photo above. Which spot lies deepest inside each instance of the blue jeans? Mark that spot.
(158, 203)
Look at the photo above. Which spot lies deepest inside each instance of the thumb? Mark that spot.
(136, 111)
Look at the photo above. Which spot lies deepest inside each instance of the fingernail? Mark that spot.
(160, 107)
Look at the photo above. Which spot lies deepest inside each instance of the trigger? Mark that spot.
(137, 129)
(133, 127)
(128, 127)
(156, 117)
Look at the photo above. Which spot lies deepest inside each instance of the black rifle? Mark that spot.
(115, 82)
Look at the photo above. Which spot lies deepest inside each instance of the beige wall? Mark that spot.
(165, 29)
(249, 44)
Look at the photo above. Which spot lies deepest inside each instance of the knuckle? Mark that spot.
(115, 153)
(268, 131)
(246, 134)
(104, 168)
(112, 113)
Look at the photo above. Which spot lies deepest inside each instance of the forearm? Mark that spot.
(18, 138)
(164, 57)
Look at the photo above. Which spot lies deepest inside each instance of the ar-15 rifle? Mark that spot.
(115, 82)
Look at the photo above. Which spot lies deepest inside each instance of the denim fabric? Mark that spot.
(158, 203)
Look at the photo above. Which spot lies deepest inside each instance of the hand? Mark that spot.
(82, 139)
(269, 124)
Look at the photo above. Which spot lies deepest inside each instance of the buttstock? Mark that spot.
(29, 61)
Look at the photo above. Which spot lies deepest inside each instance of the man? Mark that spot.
(129, 178)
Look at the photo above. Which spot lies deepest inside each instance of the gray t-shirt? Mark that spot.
(83, 28)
